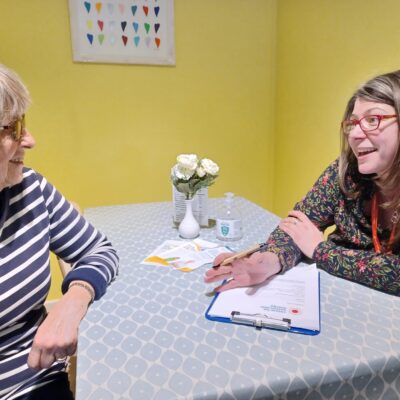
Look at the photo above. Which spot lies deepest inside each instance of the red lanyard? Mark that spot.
(374, 223)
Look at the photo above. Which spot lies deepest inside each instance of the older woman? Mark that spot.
(359, 193)
(34, 220)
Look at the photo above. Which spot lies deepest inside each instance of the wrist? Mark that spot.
(317, 250)
(268, 262)
(274, 264)
(83, 290)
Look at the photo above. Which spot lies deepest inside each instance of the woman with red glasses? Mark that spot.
(359, 194)
(34, 220)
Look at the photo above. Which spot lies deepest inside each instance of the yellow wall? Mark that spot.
(109, 134)
(325, 50)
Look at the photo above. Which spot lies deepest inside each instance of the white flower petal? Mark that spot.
(209, 166)
(200, 172)
(187, 161)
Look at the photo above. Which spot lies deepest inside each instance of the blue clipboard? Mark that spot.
(260, 321)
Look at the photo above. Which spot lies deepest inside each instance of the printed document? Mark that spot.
(183, 255)
(293, 295)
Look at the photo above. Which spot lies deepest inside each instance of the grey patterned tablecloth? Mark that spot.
(148, 337)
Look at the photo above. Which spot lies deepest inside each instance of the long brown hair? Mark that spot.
(381, 89)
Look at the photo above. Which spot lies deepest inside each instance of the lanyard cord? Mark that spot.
(374, 224)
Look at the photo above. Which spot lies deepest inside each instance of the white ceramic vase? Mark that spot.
(189, 228)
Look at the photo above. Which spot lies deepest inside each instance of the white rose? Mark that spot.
(187, 161)
(182, 173)
(209, 166)
(200, 172)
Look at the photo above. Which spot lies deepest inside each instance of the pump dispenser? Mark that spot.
(229, 222)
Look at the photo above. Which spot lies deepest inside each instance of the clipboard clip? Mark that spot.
(261, 321)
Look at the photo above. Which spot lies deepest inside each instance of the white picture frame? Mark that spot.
(123, 31)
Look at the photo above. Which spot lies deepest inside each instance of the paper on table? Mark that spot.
(293, 295)
(183, 255)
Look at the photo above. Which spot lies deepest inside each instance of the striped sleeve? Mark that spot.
(79, 243)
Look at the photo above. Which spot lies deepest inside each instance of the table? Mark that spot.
(148, 337)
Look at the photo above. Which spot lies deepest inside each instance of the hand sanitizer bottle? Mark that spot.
(229, 223)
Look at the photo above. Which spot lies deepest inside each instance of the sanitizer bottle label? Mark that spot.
(229, 229)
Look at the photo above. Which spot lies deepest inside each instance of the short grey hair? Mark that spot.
(14, 96)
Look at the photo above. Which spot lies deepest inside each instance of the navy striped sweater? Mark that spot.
(34, 220)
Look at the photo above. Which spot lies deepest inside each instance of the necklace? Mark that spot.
(374, 224)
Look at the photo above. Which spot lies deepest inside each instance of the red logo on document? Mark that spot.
(295, 311)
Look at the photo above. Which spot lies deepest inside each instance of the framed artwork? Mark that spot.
(123, 31)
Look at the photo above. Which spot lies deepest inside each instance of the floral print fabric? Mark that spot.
(348, 252)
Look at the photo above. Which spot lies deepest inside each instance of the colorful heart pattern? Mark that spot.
(133, 23)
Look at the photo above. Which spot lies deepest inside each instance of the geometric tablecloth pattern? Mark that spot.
(147, 338)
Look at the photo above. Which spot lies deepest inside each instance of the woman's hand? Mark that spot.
(57, 336)
(303, 232)
(245, 271)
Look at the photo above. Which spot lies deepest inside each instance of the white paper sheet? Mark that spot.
(184, 255)
(293, 295)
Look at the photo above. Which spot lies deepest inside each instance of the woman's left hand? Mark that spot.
(303, 232)
(57, 336)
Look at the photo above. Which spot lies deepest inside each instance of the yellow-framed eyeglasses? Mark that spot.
(15, 129)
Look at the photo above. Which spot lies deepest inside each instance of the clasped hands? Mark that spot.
(258, 267)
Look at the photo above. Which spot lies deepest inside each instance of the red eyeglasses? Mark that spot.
(367, 124)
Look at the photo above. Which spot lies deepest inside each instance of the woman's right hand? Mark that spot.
(57, 336)
(247, 271)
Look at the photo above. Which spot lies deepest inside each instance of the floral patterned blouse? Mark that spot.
(348, 252)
